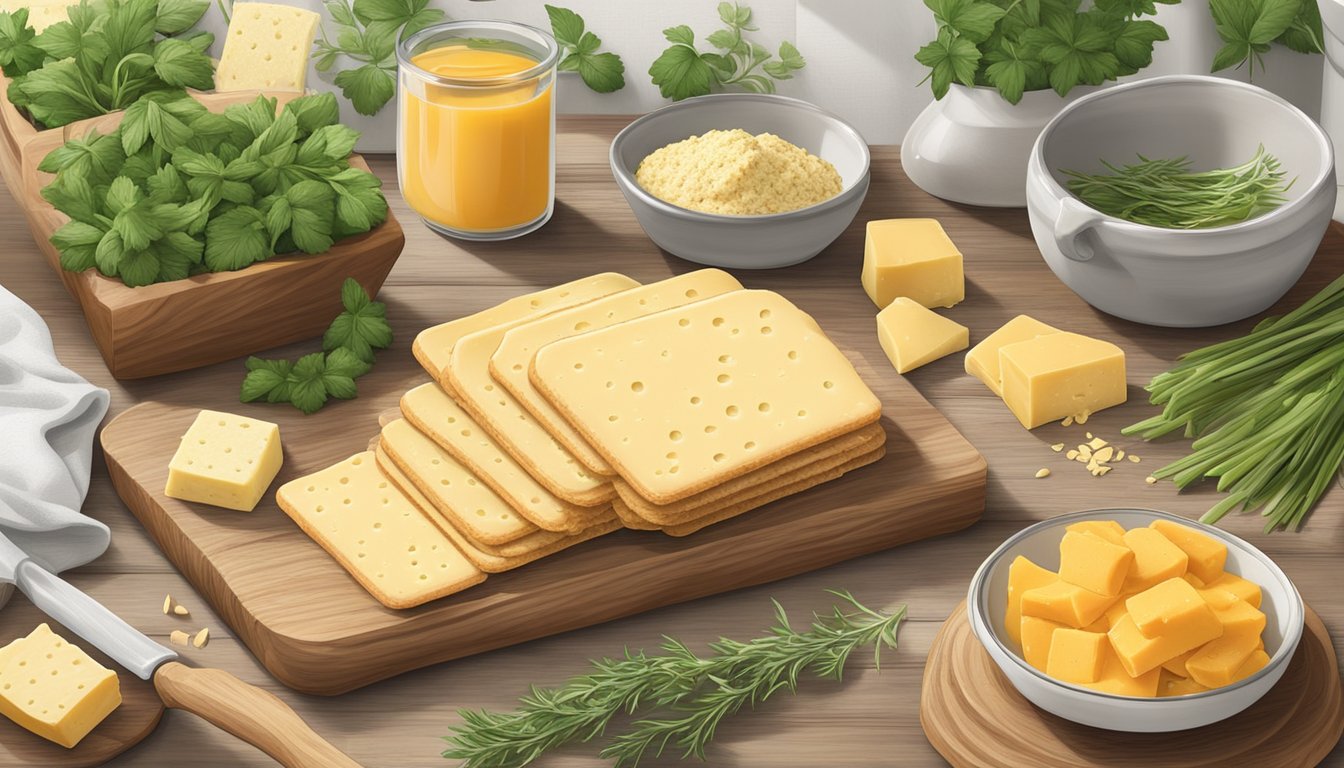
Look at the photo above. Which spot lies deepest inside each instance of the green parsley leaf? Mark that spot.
(362, 327)
(1078, 50)
(18, 53)
(178, 63)
(177, 16)
(95, 156)
(973, 20)
(308, 391)
(267, 379)
(235, 239)
(681, 72)
(1134, 44)
(311, 208)
(1305, 34)
(1247, 28)
(602, 72)
(314, 111)
(77, 243)
(368, 88)
(949, 59)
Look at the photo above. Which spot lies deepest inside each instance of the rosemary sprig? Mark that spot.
(1166, 193)
(694, 693)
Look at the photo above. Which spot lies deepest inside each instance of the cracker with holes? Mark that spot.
(491, 560)
(435, 414)
(687, 399)
(266, 48)
(512, 358)
(377, 534)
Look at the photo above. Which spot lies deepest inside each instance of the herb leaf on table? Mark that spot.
(683, 71)
(604, 72)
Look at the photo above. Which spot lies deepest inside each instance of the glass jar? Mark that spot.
(476, 127)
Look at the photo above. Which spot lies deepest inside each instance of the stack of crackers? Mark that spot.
(565, 414)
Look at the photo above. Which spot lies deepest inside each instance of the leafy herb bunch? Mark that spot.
(684, 71)
(1030, 45)
(177, 189)
(367, 32)
(105, 57)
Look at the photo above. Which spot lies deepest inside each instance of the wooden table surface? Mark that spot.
(871, 719)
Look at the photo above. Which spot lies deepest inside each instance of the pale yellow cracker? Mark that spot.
(433, 345)
(455, 491)
(774, 494)
(496, 411)
(266, 47)
(434, 413)
(511, 360)
(828, 455)
(482, 557)
(689, 398)
(377, 534)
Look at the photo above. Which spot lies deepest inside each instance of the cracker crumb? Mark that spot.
(178, 637)
(1067, 422)
(1057, 447)
(1082, 418)
(1150, 480)
(1042, 472)
(1134, 458)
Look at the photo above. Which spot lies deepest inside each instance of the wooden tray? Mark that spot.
(319, 632)
(975, 718)
(179, 325)
(127, 726)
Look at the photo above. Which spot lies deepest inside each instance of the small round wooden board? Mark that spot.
(127, 726)
(975, 718)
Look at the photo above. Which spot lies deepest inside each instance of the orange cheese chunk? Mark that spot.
(1240, 618)
(1093, 563)
(1065, 603)
(1140, 654)
(1022, 576)
(1100, 625)
(1116, 680)
(1106, 529)
(1173, 685)
(1229, 583)
(1216, 663)
(1036, 635)
(1193, 580)
(1207, 554)
(1156, 559)
(1258, 660)
(1171, 607)
(1116, 611)
(1176, 666)
(1052, 377)
(1076, 656)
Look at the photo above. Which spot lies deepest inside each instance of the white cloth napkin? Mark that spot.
(48, 417)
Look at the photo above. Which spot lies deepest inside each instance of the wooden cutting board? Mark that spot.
(128, 724)
(319, 632)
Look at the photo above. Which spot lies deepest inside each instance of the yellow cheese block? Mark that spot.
(913, 335)
(1241, 618)
(1217, 662)
(1257, 661)
(1036, 634)
(53, 688)
(1176, 666)
(1207, 555)
(1140, 653)
(1193, 580)
(1022, 576)
(1093, 563)
(1156, 559)
(1106, 529)
(1115, 679)
(1175, 685)
(1229, 586)
(1065, 603)
(433, 347)
(913, 258)
(1115, 611)
(1076, 656)
(982, 361)
(376, 533)
(266, 47)
(1062, 374)
(225, 460)
(1171, 607)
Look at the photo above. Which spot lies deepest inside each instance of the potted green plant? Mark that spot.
(1001, 69)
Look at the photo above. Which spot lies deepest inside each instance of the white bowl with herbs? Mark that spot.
(1181, 201)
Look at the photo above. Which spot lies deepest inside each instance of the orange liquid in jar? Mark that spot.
(477, 159)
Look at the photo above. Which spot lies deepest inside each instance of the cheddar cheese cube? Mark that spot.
(1093, 563)
(913, 335)
(1257, 661)
(1140, 653)
(1076, 656)
(1036, 635)
(913, 258)
(1061, 374)
(1176, 666)
(982, 361)
(1217, 662)
(55, 689)
(1065, 603)
(1115, 679)
(1240, 618)
(1106, 529)
(1023, 575)
(225, 460)
(1193, 580)
(1174, 685)
(1156, 559)
(1229, 586)
(1207, 554)
(1172, 607)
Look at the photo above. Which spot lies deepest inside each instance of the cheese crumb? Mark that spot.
(178, 637)
(1134, 458)
(1082, 417)
(1042, 472)
(1150, 480)
(201, 638)
(1057, 447)
(181, 610)
(738, 174)
(167, 604)
(1067, 422)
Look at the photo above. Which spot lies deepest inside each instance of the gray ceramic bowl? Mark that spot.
(988, 598)
(744, 242)
(1180, 278)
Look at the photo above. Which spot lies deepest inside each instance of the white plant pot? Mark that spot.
(972, 146)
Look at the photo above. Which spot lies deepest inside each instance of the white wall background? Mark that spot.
(859, 52)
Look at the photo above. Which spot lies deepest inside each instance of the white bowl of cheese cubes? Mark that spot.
(1180, 625)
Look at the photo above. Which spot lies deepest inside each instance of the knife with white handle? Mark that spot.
(248, 712)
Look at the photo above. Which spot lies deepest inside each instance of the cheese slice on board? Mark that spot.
(55, 689)
(433, 346)
(266, 48)
(513, 358)
(437, 415)
(377, 534)
(688, 398)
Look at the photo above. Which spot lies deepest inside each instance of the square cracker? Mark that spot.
(377, 534)
(433, 345)
(830, 453)
(512, 358)
(735, 509)
(689, 398)
(483, 557)
(456, 492)
(437, 415)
